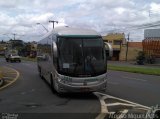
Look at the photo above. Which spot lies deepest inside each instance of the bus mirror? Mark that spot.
(109, 49)
(55, 54)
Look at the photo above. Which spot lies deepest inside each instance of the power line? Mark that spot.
(42, 26)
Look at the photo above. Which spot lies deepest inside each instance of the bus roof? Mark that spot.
(72, 32)
(68, 31)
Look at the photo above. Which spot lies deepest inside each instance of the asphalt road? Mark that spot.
(30, 94)
(139, 88)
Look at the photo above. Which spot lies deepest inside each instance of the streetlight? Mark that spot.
(43, 26)
(53, 22)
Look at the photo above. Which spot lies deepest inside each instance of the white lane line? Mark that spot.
(122, 114)
(104, 110)
(136, 104)
(134, 78)
(139, 108)
(117, 103)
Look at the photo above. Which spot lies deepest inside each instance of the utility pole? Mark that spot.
(14, 36)
(127, 46)
(52, 21)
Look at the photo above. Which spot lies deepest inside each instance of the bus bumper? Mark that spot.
(87, 88)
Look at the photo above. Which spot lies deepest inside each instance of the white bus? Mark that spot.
(73, 60)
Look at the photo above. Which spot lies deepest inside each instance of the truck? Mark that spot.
(73, 60)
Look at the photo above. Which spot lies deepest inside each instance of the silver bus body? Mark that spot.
(61, 60)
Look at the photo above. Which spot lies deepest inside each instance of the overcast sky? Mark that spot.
(21, 16)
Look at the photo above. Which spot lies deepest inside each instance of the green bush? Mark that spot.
(141, 58)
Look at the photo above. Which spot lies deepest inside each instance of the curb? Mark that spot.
(9, 71)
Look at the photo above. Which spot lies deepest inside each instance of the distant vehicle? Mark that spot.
(73, 60)
(12, 56)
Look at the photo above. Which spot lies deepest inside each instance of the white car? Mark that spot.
(13, 58)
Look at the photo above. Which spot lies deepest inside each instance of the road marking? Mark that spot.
(104, 109)
(17, 76)
(134, 78)
(119, 102)
(136, 104)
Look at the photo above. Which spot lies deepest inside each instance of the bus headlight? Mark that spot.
(59, 79)
(103, 78)
(66, 80)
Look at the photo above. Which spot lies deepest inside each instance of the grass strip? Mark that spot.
(142, 70)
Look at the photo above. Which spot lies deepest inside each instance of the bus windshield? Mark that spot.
(80, 57)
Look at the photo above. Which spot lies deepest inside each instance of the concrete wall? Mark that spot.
(132, 53)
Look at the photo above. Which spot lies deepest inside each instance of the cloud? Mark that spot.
(155, 7)
(102, 15)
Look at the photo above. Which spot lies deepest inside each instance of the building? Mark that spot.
(31, 49)
(3, 46)
(116, 40)
(33, 52)
(151, 43)
(131, 54)
(121, 51)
